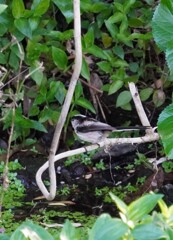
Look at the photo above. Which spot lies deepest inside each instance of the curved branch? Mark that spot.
(66, 106)
(109, 141)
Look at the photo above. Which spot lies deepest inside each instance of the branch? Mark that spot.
(110, 141)
(66, 105)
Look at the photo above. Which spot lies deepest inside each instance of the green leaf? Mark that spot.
(37, 74)
(38, 126)
(146, 93)
(34, 22)
(148, 231)
(123, 98)
(120, 204)
(66, 7)
(112, 28)
(115, 86)
(60, 58)
(107, 227)
(18, 8)
(3, 7)
(142, 206)
(85, 72)
(96, 51)
(169, 59)
(89, 38)
(106, 40)
(29, 230)
(56, 91)
(119, 51)
(83, 102)
(14, 61)
(47, 114)
(105, 66)
(69, 232)
(23, 26)
(40, 7)
(165, 126)
(162, 25)
(78, 91)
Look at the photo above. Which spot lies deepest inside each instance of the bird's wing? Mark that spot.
(94, 126)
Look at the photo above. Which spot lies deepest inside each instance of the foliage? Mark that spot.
(36, 40)
(162, 28)
(12, 197)
(136, 222)
(16, 189)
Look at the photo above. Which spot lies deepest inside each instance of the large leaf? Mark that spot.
(107, 227)
(162, 24)
(165, 129)
(29, 230)
(142, 206)
(148, 231)
(59, 58)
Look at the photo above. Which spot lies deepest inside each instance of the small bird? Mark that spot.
(93, 131)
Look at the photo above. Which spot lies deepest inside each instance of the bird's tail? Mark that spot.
(120, 129)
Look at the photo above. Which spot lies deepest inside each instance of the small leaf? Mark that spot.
(78, 91)
(119, 51)
(18, 8)
(123, 98)
(105, 66)
(83, 102)
(60, 58)
(106, 40)
(37, 74)
(115, 86)
(23, 26)
(89, 38)
(96, 51)
(85, 72)
(40, 7)
(146, 93)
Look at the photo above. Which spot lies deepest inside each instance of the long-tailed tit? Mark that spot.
(93, 131)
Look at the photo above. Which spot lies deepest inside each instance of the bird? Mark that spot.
(93, 131)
